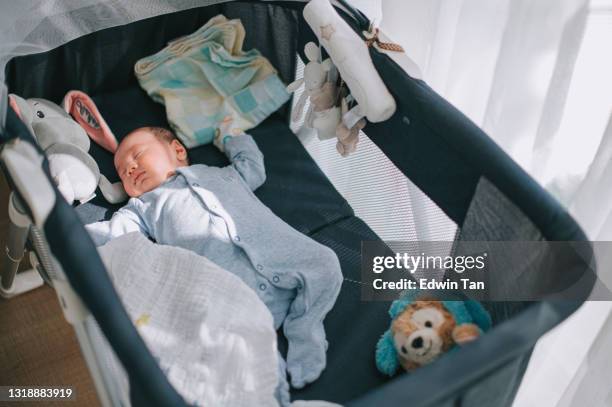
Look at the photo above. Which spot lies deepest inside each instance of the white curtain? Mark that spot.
(537, 77)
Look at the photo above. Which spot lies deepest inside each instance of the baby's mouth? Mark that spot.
(139, 177)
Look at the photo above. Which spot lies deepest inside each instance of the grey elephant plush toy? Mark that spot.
(66, 143)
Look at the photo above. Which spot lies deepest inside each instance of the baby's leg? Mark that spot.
(282, 389)
(303, 327)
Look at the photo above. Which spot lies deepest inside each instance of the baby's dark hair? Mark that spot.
(162, 134)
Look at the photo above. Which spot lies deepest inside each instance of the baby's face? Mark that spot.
(144, 161)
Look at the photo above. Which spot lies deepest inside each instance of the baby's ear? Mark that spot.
(179, 148)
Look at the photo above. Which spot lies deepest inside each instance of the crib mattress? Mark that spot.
(299, 193)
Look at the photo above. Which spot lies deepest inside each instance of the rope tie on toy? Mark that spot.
(388, 46)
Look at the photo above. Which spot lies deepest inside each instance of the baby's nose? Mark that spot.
(133, 165)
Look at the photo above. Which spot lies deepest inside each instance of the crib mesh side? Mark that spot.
(492, 217)
(379, 193)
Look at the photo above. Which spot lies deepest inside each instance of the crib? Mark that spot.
(436, 148)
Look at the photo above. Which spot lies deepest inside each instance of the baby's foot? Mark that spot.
(306, 370)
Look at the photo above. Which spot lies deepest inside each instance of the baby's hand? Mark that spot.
(226, 131)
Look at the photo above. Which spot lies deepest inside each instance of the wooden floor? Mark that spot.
(37, 346)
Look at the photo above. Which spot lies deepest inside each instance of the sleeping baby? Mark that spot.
(213, 212)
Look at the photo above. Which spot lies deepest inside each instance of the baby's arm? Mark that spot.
(245, 157)
(125, 220)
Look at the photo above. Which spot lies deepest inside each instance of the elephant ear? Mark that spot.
(84, 111)
(386, 356)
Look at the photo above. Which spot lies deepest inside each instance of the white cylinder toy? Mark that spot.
(351, 56)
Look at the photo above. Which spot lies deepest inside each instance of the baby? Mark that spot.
(213, 212)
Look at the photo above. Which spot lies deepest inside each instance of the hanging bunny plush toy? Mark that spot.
(325, 114)
(348, 137)
(320, 87)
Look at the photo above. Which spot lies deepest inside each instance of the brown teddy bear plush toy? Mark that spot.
(423, 329)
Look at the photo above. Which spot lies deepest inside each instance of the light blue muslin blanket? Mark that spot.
(205, 78)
